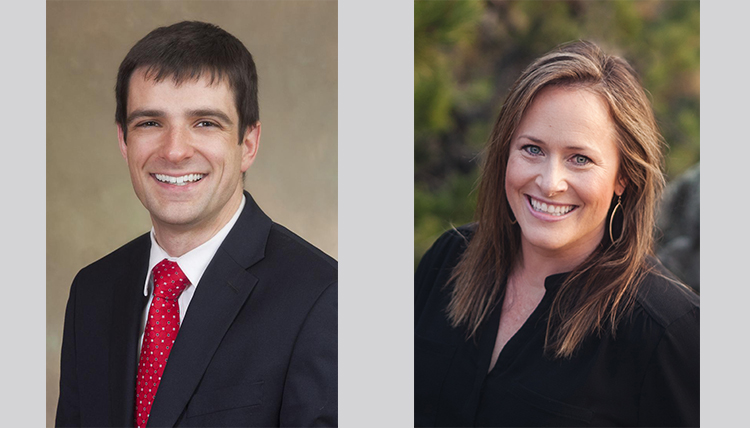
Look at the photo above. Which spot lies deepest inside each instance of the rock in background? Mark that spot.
(678, 221)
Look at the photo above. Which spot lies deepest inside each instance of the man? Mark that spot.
(218, 316)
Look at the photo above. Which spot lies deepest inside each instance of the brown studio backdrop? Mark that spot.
(91, 206)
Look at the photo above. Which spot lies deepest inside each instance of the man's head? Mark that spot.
(184, 95)
(187, 51)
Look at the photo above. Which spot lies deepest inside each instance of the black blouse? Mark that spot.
(647, 376)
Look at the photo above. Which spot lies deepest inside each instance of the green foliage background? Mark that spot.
(467, 54)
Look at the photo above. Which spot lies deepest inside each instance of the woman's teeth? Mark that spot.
(550, 209)
(178, 181)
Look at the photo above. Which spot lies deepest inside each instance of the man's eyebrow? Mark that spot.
(137, 114)
(218, 114)
(201, 112)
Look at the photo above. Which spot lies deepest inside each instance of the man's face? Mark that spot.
(182, 152)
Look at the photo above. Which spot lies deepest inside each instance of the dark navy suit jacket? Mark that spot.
(257, 347)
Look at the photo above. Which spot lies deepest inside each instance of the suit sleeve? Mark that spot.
(671, 388)
(311, 387)
(68, 404)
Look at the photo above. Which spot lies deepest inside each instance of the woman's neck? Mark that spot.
(535, 266)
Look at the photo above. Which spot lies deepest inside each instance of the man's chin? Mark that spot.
(174, 216)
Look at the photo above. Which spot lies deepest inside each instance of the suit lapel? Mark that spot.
(127, 308)
(221, 293)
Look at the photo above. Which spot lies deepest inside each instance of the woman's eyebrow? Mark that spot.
(529, 137)
(569, 147)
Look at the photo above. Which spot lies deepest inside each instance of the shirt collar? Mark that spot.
(194, 262)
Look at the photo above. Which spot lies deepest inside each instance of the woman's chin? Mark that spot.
(546, 244)
(558, 242)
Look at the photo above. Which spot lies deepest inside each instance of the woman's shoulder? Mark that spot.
(666, 330)
(437, 264)
(457, 235)
(664, 298)
(448, 247)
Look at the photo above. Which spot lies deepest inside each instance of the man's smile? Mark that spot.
(178, 180)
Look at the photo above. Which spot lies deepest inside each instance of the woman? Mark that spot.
(550, 310)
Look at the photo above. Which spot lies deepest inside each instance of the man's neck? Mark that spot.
(179, 239)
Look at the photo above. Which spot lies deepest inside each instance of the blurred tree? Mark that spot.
(467, 54)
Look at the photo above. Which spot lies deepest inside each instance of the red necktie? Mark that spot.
(162, 326)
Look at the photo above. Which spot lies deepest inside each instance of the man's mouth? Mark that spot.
(546, 208)
(180, 180)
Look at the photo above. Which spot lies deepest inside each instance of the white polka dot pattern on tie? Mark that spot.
(162, 326)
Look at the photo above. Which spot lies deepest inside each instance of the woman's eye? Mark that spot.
(532, 150)
(581, 160)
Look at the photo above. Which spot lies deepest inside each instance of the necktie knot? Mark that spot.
(169, 280)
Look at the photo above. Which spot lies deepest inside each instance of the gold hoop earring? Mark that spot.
(611, 220)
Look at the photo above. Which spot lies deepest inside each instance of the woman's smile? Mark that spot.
(549, 208)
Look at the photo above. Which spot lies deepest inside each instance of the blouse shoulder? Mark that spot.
(670, 317)
(663, 297)
(435, 267)
(446, 250)
(451, 241)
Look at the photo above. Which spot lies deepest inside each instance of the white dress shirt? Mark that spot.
(193, 264)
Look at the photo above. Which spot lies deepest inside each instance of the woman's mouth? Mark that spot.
(551, 209)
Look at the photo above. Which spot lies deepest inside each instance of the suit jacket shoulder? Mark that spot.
(118, 261)
(99, 349)
(285, 248)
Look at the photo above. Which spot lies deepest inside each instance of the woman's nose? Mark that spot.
(552, 179)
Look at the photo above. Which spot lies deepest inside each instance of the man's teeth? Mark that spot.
(179, 181)
(550, 209)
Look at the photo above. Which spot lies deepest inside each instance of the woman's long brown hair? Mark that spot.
(599, 292)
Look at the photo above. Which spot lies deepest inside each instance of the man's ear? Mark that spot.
(121, 142)
(250, 143)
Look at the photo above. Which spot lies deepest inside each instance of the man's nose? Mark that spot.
(177, 145)
(552, 179)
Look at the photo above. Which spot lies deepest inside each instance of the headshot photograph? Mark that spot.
(557, 214)
(192, 213)
(539, 186)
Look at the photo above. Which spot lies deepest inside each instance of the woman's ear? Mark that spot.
(621, 184)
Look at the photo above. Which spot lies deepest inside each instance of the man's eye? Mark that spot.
(206, 123)
(147, 124)
(532, 150)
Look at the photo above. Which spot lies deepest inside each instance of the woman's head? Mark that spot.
(581, 68)
(562, 170)
(578, 90)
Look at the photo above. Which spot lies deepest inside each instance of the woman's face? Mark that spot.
(563, 171)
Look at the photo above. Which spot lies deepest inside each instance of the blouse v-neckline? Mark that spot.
(510, 350)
